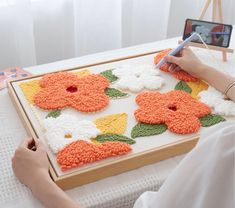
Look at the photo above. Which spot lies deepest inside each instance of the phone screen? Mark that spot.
(212, 33)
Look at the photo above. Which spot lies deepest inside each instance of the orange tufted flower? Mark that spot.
(82, 152)
(177, 109)
(63, 89)
(181, 75)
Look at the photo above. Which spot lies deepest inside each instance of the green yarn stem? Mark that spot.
(54, 114)
(141, 130)
(109, 75)
(181, 85)
(211, 119)
(114, 138)
(114, 93)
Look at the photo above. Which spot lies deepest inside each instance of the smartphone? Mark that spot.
(216, 34)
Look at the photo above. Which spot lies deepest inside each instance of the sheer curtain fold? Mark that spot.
(97, 25)
(41, 31)
(16, 34)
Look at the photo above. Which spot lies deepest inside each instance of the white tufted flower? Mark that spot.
(67, 128)
(216, 101)
(136, 78)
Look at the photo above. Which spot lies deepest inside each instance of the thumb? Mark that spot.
(173, 60)
(38, 144)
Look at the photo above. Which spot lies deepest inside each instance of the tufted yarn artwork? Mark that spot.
(177, 109)
(30, 89)
(115, 94)
(136, 78)
(143, 130)
(211, 119)
(197, 87)
(181, 75)
(65, 129)
(63, 89)
(82, 152)
(114, 138)
(217, 102)
(114, 123)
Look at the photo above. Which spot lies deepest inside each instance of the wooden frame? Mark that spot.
(217, 15)
(215, 48)
(110, 168)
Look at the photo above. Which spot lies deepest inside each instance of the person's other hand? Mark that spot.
(187, 61)
(30, 162)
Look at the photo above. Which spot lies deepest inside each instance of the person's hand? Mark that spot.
(30, 162)
(187, 61)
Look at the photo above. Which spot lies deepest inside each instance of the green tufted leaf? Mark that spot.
(181, 85)
(114, 93)
(211, 119)
(141, 130)
(109, 75)
(54, 114)
(114, 137)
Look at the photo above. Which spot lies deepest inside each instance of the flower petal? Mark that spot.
(152, 82)
(66, 129)
(150, 116)
(64, 89)
(144, 98)
(175, 108)
(89, 102)
(183, 123)
(51, 98)
(216, 101)
(59, 78)
(79, 153)
(95, 82)
(136, 78)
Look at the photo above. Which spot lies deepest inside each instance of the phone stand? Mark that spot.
(217, 15)
(216, 48)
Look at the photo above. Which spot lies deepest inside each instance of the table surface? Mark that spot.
(117, 191)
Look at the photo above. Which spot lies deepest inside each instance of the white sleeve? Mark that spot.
(205, 178)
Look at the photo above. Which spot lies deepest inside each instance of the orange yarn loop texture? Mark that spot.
(63, 89)
(177, 109)
(82, 152)
(181, 75)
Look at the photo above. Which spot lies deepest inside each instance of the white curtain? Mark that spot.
(41, 31)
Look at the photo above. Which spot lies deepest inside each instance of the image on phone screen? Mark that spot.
(212, 33)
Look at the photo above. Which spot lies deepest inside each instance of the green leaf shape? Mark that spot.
(181, 85)
(109, 75)
(141, 130)
(115, 138)
(211, 119)
(54, 114)
(114, 93)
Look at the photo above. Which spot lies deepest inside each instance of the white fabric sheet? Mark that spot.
(205, 178)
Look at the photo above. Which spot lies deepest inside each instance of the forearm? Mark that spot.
(51, 195)
(231, 93)
(217, 79)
